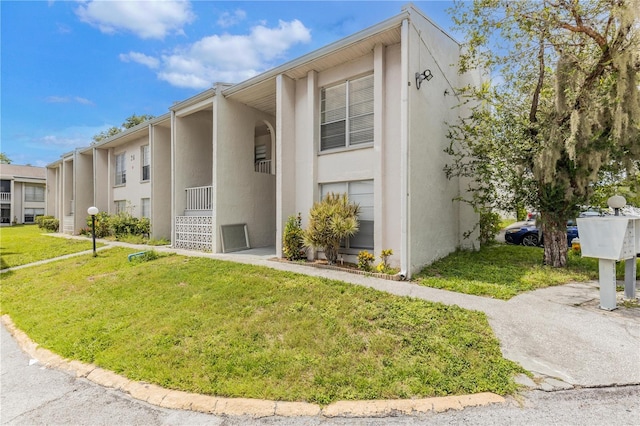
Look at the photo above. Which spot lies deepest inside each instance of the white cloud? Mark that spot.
(228, 58)
(140, 58)
(67, 99)
(146, 19)
(230, 19)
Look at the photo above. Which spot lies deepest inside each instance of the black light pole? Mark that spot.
(93, 211)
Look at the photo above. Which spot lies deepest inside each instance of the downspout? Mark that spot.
(151, 195)
(405, 271)
(173, 178)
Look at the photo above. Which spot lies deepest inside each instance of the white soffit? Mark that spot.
(262, 94)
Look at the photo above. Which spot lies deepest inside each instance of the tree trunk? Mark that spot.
(554, 234)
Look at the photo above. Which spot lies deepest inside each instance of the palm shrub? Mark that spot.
(292, 240)
(330, 221)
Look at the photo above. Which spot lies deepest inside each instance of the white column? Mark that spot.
(607, 273)
(379, 67)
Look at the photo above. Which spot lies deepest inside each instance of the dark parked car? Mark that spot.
(528, 234)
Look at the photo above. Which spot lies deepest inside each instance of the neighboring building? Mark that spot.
(366, 115)
(22, 193)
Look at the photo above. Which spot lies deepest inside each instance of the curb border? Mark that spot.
(255, 408)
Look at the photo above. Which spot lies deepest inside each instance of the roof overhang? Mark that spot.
(260, 91)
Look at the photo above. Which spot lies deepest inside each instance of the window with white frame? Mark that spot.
(346, 114)
(34, 193)
(30, 215)
(361, 193)
(121, 170)
(146, 163)
(121, 206)
(145, 205)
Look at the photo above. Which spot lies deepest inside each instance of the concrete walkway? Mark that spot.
(557, 333)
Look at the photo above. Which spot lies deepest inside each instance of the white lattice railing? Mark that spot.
(5, 197)
(194, 233)
(200, 198)
(263, 166)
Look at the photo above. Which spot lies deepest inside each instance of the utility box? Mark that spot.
(611, 239)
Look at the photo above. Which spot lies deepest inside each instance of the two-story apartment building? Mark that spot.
(366, 116)
(22, 193)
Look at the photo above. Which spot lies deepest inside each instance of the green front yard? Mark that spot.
(22, 244)
(504, 271)
(228, 329)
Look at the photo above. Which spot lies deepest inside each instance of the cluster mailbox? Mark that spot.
(611, 239)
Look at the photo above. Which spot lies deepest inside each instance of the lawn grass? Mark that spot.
(227, 329)
(504, 271)
(22, 244)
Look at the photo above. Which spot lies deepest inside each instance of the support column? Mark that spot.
(607, 273)
(630, 278)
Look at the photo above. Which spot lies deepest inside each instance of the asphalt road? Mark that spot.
(34, 395)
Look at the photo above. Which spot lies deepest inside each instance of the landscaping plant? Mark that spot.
(330, 221)
(293, 239)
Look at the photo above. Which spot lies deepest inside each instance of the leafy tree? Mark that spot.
(330, 221)
(563, 110)
(130, 122)
(4, 159)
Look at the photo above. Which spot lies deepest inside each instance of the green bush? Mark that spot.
(365, 259)
(48, 223)
(120, 225)
(330, 221)
(489, 226)
(292, 239)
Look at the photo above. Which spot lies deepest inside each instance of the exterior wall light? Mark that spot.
(421, 76)
(93, 211)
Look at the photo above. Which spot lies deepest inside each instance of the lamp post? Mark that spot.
(616, 203)
(93, 211)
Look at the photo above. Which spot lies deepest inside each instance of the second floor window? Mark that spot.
(34, 193)
(146, 163)
(121, 171)
(347, 114)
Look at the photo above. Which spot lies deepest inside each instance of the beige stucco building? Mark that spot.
(366, 115)
(22, 193)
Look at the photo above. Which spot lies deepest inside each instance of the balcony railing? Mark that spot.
(200, 198)
(263, 166)
(5, 197)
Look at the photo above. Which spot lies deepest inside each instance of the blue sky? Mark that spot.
(70, 69)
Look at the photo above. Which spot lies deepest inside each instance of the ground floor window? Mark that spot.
(5, 216)
(121, 206)
(145, 205)
(361, 193)
(30, 215)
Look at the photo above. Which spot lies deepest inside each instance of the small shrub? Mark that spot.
(48, 223)
(102, 224)
(489, 226)
(330, 221)
(383, 267)
(365, 259)
(292, 239)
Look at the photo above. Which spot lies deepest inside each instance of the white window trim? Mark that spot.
(347, 146)
(142, 165)
(123, 173)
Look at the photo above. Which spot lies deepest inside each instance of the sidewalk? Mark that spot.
(557, 333)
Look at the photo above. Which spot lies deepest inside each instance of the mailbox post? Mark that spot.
(610, 239)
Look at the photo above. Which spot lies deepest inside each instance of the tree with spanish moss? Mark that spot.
(561, 109)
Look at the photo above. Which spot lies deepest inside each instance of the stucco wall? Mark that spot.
(83, 189)
(193, 154)
(52, 198)
(434, 229)
(161, 183)
(103, 179)
(134, 189)
(242, 195)
(67, 186)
